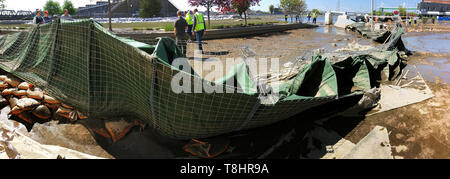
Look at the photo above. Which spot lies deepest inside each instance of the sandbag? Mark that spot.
(38, 95)
(3, 84)
(66, 106)
(24, 86)
(8, 91)
(63, 112)
(3, 77)
(27, 103)
(13, 81)
(42, 112)
(13, 102)
(19, 93)
(15, 110)
(27, 117)
(50, 100)
(52, 106)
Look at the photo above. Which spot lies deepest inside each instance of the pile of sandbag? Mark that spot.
(29, 104)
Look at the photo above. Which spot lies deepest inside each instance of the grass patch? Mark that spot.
(215, 24)
(168, 26)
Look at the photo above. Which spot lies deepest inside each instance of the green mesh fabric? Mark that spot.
(85, 66)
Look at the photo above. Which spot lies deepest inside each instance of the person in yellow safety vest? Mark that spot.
(314, 17)
(309, 16)
(410, 20)
(199, 28)
(190, 22)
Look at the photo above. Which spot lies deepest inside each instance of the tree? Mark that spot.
(208, 4)
(52, 7)
(271, 9)
(69, 6)
(150, 8)
(293, 7)
(2, 4)
(402, 11)
(242, 6)
(315, 11)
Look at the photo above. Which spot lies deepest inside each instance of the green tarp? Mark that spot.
(85, 66)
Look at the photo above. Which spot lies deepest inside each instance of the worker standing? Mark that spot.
(46, 18)
(190, 22)
(415, 21)
(180, 27)
(410, 20)
(315, 17)
(66, 15)
(285, 17)
(309, 16)
(199, 28)
(38, 18)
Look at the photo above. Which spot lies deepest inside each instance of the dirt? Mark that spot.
(420, 130)
(284, 46)
(439, 27)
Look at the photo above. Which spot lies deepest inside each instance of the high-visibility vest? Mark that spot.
(200, 24)
(189, 19)
(315, 15)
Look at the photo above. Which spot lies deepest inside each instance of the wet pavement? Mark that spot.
(436, 43)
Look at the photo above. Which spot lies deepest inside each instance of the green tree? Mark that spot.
(402, 11)
(2, 4)
(379, 13)
(69, 6)
(150, 8)
(316, 11)
(52, 7)
(271, 9)
(293, 7)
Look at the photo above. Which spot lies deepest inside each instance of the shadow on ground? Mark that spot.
(305, 135)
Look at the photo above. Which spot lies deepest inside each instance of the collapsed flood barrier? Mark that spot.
(83, 65)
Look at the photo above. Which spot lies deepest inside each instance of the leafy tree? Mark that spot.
(316, 11)
(242, 6)
(2, 4)
(293, 7)
(271, 9)
(402, 10)
(52, 7)
(209, 4)
(69, 6)
(150, 8)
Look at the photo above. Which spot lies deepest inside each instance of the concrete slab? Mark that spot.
(375, 145)
(395, 96)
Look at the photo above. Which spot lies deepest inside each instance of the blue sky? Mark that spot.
(347, 5)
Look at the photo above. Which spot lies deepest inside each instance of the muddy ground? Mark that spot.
(421, 130)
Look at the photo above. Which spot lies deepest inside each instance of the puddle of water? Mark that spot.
(433, 70)
(332, 30)
(436, 43)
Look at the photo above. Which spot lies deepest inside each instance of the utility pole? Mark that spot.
(109, 15)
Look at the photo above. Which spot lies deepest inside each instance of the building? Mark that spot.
(124, 8)
(277, 11)
(434, 7)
